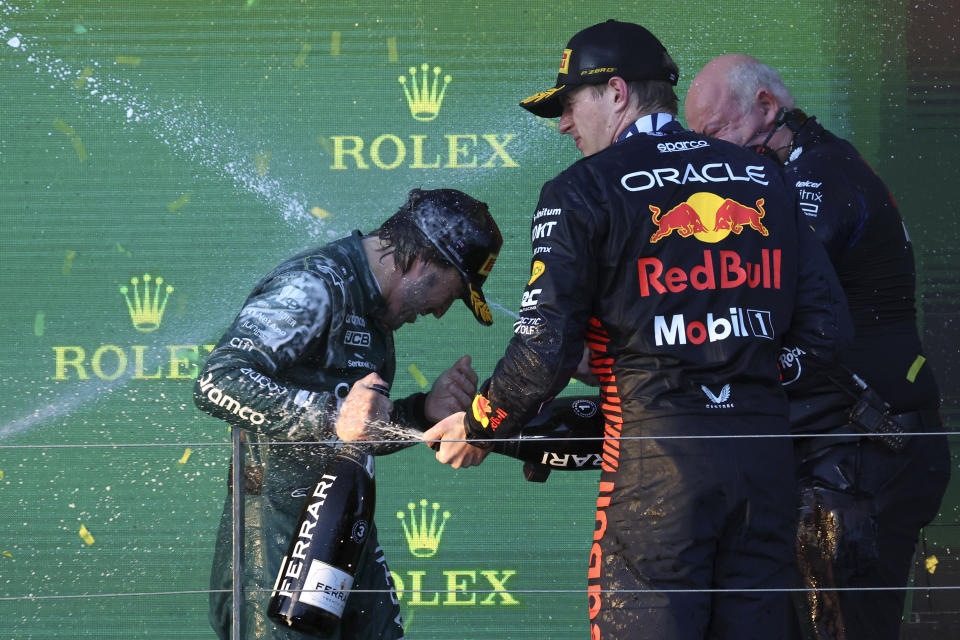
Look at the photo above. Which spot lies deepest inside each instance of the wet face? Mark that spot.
(426, 289)
(712, 111)
(589, 118)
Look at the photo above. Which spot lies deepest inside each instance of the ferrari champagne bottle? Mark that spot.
(566, 435)
(317, 573)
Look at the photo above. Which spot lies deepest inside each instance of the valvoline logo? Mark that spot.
(707, 217)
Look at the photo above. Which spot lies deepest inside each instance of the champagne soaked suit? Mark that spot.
(307, 332)
(679, 261)
(863, 505)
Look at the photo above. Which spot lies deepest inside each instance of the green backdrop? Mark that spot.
(191, 146)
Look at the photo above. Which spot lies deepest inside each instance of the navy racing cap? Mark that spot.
(464, 232)
(599, 53)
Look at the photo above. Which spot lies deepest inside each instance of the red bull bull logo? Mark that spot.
(682, 218)
(707, 217)
(734, 216)
(482, 413)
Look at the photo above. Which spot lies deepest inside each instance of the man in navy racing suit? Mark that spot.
(678, 260)
(312, 328)
(863, 504)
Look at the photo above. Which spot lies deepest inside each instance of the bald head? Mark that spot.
(735, 97)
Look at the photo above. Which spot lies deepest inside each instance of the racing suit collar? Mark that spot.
(805, 134)
(650, 123)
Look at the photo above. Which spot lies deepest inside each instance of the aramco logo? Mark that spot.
(424, 97)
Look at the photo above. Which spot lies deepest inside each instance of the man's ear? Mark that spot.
(769, 108)
(619, 92)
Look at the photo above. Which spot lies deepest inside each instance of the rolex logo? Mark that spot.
(423, 539)
(146, 307)
(424, 97)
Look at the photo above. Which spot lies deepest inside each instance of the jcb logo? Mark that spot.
(356, 338)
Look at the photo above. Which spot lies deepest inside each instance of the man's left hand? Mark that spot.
(366, 403)
(460, 454)
(452, 391)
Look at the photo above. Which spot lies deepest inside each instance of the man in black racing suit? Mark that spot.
(314, 326)
(678, 260)
(863, 504)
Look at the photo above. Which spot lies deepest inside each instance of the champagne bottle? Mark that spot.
(317, 573)
(566, 434)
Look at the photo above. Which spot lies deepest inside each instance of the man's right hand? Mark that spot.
(366, 402)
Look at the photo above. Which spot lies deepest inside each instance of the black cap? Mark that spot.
(598, 53)
(464, 232)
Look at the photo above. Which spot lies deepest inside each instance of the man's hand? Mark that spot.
(583, 373)
(366, 402)
(458, 455)
(452, 391)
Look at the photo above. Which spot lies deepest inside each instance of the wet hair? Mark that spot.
(400, 233)
(650, 96)
(745, 78)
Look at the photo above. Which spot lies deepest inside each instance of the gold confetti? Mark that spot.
(37, 331)
(178, 203)
(931, 563)
(63, 127)
(419, 377)
(1, 474)
(78, 147)
(301, 58)
(86, 535)
(335, 43)
(134, 60)
(325, 144)
(320, 213)
(262, 162)
(186, 456)
(392, 49)
(915, 368)
(6, 553)
(68, 263)
(82, 79)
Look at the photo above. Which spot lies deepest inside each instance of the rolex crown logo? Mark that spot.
(424, 97)
(423, 538)
(146, 307)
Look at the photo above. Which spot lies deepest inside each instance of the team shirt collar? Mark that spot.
(650, 123)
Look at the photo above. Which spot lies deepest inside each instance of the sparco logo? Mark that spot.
(686, 145)
(219, 398)
(742, 323)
